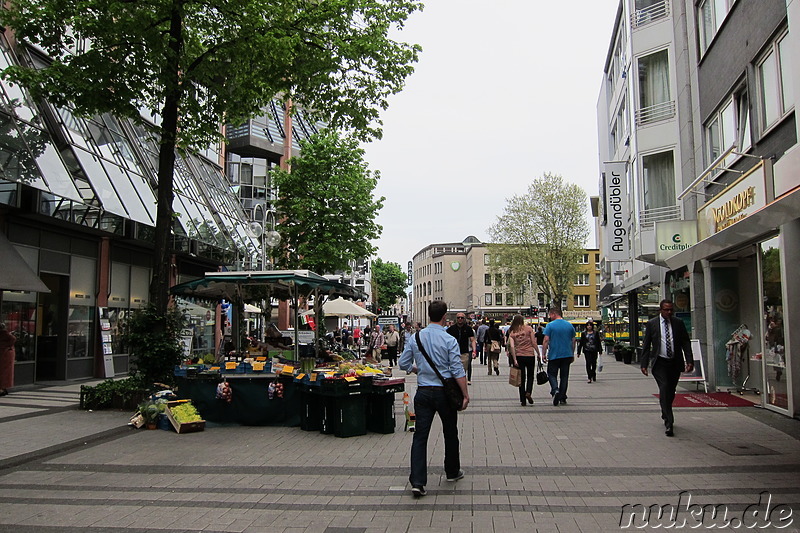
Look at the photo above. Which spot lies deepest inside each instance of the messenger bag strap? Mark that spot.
(427, 357)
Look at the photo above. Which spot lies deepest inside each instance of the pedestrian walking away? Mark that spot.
(666, 352)
(559, 350)
(430, 398)
(465, 336)
(590, 344)
(494, 341)
(524, 353)
(480, 341)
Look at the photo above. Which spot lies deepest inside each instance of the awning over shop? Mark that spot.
(16, 275)
(283, 284)
(649, 274)
(759, 224)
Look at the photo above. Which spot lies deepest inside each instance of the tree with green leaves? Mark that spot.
(326, 206)
(196, 64)
(389, 283)
(541, 236)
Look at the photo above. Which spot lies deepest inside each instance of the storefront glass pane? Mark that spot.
(200, 319)
(774, 354)
(726, 320)
(18, 313)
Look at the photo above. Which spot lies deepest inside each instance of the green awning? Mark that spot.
(282, 283)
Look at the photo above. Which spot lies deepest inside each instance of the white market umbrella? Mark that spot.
(341, 307)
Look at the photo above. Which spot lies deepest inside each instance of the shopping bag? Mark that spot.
(515, 377)
(599, 362)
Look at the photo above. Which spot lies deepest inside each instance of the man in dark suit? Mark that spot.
(666, 352)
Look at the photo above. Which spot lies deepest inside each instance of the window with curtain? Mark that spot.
(659, 180)
(654, 79)
(581, 300)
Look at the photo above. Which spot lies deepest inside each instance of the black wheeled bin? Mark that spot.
(381, 417)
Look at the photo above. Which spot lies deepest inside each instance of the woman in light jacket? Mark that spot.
(524, 351)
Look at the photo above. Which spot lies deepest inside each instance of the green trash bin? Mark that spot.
(310, 409)
(349, 416)
(343, 412)
(381, 417)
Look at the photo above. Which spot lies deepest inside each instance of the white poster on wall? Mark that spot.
(615, 182)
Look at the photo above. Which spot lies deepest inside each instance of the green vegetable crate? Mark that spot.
(183, 427)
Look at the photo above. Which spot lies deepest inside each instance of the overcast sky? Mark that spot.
(504, 91)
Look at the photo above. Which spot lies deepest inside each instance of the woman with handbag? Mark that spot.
(590, 346)
(524, 351)
(494, 345)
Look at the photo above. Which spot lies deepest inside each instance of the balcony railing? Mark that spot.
(648, 217)
(652, 13)
(655, 113)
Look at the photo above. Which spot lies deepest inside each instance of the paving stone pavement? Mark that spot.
(539, 468)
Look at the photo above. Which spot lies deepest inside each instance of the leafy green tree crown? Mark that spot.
(326, 207)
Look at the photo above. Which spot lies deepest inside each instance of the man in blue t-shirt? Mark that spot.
(559, 350)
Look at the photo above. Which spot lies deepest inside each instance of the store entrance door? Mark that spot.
(51, 341)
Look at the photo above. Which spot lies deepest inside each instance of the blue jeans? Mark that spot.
(428, 402)
(554, 368)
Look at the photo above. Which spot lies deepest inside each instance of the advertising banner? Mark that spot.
(618, 247)
(673, 237)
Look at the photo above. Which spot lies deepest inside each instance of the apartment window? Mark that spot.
(654, 93)
(509, 298)
(584, 260)
(498, 299)
(485, 259)
(583, 279)
(498, 280)
(540, 299)
(487, 279)
(487, 298)
(581, 300)
(659, 180)
(710, 14)
(775, 84)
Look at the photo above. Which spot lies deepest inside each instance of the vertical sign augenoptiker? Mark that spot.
(616, 192)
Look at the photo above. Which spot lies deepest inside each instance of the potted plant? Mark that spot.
(150, 411)
(617, 350)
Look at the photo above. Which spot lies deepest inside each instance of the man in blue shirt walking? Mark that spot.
(559, 350)
(430, 397)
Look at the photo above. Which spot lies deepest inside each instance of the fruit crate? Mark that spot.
(388, 386)
(185, 427)
(342, 387)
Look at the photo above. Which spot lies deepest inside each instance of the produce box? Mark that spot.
(185, 427)
(345, 387)
(388, 386)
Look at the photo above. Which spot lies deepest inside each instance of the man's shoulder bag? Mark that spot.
(455, 397)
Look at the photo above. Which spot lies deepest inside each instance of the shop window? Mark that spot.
(774, 351)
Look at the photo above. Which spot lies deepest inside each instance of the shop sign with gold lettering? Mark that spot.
(735, 203)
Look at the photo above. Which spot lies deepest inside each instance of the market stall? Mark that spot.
(288, 388)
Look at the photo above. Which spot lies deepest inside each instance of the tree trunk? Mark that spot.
(159, 286)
